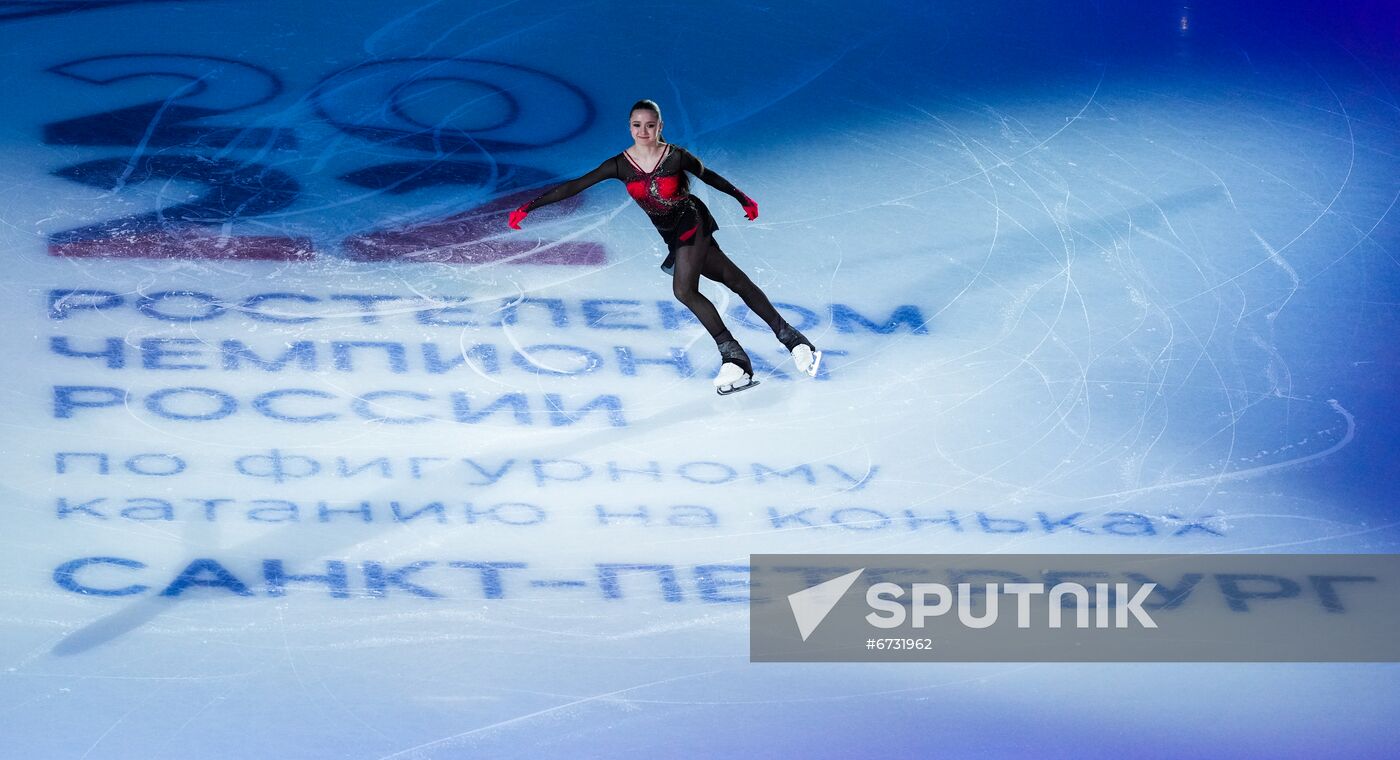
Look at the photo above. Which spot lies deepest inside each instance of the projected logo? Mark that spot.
(451, 118)
(1075, 608)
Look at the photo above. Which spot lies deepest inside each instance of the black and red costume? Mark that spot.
(663, 192)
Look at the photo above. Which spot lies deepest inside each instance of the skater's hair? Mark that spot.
(646, 105)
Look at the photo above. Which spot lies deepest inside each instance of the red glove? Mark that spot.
(517, 216)
(750, 208)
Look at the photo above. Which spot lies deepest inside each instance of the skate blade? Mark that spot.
(816, 362)
(729, 389)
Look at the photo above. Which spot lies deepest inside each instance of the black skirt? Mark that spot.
(680, 228)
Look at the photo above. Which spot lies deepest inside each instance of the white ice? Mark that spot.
(1162, 288)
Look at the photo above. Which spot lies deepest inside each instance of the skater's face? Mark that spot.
(646, 127)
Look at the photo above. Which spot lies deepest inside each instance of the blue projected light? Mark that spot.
(310, 454)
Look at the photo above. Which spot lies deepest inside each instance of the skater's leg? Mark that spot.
(721, 269)
(736, 371)
(685, 283)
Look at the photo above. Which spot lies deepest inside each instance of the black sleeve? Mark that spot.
(692, 164)
(605, 170)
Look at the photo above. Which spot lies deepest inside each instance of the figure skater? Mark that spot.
(663, 191)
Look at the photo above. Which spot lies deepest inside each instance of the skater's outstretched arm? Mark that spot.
(692, 164)
(605, 170)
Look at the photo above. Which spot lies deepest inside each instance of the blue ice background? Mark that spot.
(749, 80)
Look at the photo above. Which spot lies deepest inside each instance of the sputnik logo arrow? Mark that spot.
(811, 606)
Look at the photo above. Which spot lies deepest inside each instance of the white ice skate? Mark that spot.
(804, 354)
(732, 378)
(806, 359)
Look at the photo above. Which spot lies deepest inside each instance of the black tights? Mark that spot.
(706, 258)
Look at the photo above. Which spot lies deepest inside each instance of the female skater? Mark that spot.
(654, 173)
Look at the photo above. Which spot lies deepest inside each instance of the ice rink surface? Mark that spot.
(308, 455)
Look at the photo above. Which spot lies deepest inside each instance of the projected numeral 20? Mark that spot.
(485, 101)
